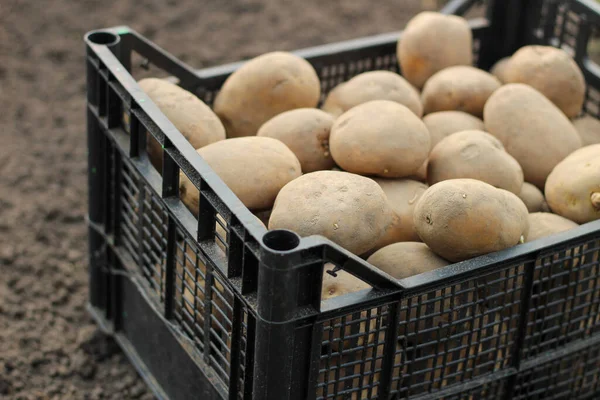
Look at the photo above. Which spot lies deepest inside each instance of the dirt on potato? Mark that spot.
(49, 346)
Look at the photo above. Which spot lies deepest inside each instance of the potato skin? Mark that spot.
(402, 195)
(349, 209)
(254, 168)
(444, 123)
(306, 132)
(531, 128)
(464, 218)
(499, 69)
(552, 72)
(588, 128)
(573, 186)
(459, 88)
(402, 260)
(194, 119)
(533, 198)
(542, 224)
(372, 85)
(431, 42)
(476, 155)
(380, 138)
(343, 284)
(263, 87)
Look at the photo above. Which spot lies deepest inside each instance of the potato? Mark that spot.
(459, 88)
(532, 129)
(402, 195)
(573, 186)
(533, 198)
(254, 168)
(588, 128)
(542, 224)
(263, 87)
(552, 72)
(372, 85)
(464, 218)
(431, 42)
(194, 119)
(499, 69)
(349, 209)
(476, 155)
(444, 123)
(379, 137)
(343, 283)
(403, 260)
(306, 132)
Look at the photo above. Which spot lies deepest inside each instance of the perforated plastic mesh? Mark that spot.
(351, 355)
(203, 305)
(457, 333)
(564, 299)
(574, 376)
(129, 226)
(154, 242)
(490, 391)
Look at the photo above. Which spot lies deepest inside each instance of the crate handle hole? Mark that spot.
(281, 240)
(103, 38)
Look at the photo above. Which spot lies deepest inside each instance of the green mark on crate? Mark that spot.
(163, 146)
(141, 100)
(124, 314)
(93, 170)
(122, 31)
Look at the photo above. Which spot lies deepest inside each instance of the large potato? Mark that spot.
(552, 72)
(431, 42)
(459, 88)
(444, 123)
(349, 209)
(380, 138)
(263, 87)
(499, 69)
(194, 119)
(588, 128)
(542, 224)
(533, 130)
(306, 132)
(573, 186)
(372, 85)
(464, 218)
(402, 195)
(475, 155)
(533, 198)
(403, 260)
(254, 168)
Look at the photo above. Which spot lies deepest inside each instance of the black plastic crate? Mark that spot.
(217, 307)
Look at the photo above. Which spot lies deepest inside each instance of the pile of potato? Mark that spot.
(412, 172)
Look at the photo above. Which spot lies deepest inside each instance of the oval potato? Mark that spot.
(263, 87)
(306, 132)
(254, 168)
(431, 42)
(531, 128)
(499, 69)
(464, 218)
(348, 209)
(402, 195)
(194, 119)
(588, 128)
(380, 138)
(444, 123)
(552, 72)
(372, 85)
(542, 224)
(476, 155)
(459, 88)
(573, 186)
(402, 260)
(533, 198)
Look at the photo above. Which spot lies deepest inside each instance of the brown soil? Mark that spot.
(49, 347)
